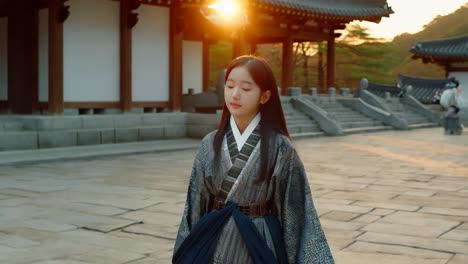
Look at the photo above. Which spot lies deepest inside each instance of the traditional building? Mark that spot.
(108, 54)
(451, 54)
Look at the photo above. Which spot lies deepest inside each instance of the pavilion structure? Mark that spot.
(451, 54)
(109, 54)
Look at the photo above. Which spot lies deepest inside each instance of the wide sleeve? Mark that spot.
(304, 238)
(198, 197)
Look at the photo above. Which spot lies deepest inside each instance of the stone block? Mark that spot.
(126, 135)
(18, 140)
(456, 234)
(442, 245)
(350, 257)
(151, 133)
(203, 119)
(417, 219)
(340, 216)
(60, 123)
(444, 211)
(313, 91)
(199, 131)
(365, 247)
(89, 137)
(294, 91)
(175, 118)
(49, 123)
(175, 131)
(381, 212)
(409, 230)
(107, 136)
(345, 91)
(71, 111)
(126, 121)
(154, 119)
(459, 259)
(112, 111)
(331, 91)
(97, 121)
(367, 218)
(344, 208)
(388, 205)
(54, 139)
(138, 110)
(11, 126)
(332, 224)
(360, 195)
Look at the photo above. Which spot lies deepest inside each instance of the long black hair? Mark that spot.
(272, 121)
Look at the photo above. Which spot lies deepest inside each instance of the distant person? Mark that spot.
(449, 97)
(436, 97)
(249, 199)
(451, 120)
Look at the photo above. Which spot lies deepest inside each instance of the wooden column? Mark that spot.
(240, 46)
(175, 57)
(253, 48)
(55, 105)
(287, 71)
(125, 56)
(22, 56)
(206, 65)
(330, 59)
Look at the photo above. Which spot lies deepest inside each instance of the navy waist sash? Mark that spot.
(200, 244)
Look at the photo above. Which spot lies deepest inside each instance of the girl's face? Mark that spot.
(242, 95)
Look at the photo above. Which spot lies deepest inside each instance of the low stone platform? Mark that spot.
(393, 197)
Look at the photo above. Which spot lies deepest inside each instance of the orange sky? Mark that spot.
(411, 15)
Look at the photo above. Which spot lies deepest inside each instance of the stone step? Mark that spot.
(15, 140)
(303, 128)
(422, 125)
(18, 140)
(298, 118)
(360, 124)
(10, 125)
(365, 129)
(306, 135)
(351, 117)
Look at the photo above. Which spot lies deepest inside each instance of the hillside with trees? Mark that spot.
(358, 55)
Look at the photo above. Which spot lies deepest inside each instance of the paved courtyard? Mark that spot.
(389, 197)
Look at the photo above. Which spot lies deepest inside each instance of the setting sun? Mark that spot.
(227, 8)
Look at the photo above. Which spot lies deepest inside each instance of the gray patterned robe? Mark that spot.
(289, 190)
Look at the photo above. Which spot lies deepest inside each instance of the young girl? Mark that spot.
(249, 199)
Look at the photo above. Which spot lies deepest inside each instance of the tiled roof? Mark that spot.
(424, 88)
(447, 49)
(348, 9)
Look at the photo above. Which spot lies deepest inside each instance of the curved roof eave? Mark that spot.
(338, 10)
(446, 49)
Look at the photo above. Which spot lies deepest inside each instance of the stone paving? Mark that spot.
(388, 197)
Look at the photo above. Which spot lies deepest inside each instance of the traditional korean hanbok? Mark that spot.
(228, 218)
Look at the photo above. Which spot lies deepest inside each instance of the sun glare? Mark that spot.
(227, 8)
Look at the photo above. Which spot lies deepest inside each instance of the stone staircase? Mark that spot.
(414, 119)
(350, 120)
(299, 124)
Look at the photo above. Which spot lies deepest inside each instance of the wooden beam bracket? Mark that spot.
(64, 11)
(132, 16)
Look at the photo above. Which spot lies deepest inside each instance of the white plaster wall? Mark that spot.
(43, 55)
(3, 58)
(91, 51)
(150, 54)
(192, 66)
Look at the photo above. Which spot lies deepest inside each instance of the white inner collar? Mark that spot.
(242, 138)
